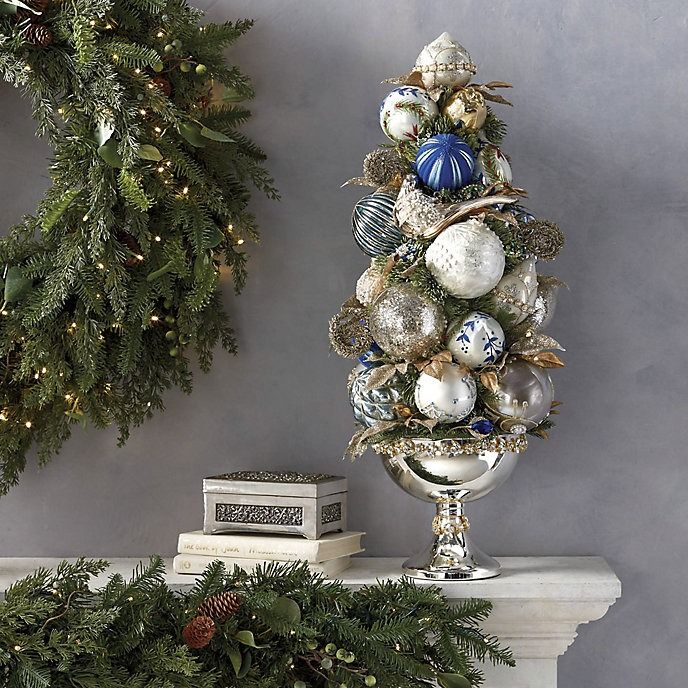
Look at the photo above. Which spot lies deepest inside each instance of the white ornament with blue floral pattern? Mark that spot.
(448, 400)
(476, 340)
(403, 112)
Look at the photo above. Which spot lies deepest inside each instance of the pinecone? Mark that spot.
(220, 607)
(163, 84)
(38, 35)
(198, 632)
(541, 237)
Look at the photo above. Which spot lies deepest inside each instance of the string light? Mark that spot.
(161, 169)
(85, 217)
(68, 397)
(185, 190)
(143, 112)
(158, 130)
(3, 417)
(101, 266)
(44, 370)
(137, 71)
(240, 241)
(155, 318)
(157, 238)
(4, 312)
(92, 22)
(160, 34)
(115, 56)
(138, 256)
(27, 68)
(28, 424)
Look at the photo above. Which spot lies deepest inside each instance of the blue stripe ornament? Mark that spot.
(445, 161)
(374, 228)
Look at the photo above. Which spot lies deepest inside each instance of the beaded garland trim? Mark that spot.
(451, 447)
(446, 66)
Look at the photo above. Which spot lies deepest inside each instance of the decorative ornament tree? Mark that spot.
(447, 321)
(115, 280)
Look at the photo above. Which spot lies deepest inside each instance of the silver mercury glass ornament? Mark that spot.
(523, 397)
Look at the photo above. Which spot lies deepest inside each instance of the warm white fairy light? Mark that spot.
(161, 169)
(101, 266)
(28, 424)
(185, 190)
(138, 256)
(44, 370)
(3, 416)
(158, 238)
(85, 217)
(241, 241)
(157, 130)
(143, 112)
(155, 318)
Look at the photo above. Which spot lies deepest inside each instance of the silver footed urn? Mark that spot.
(450, 473)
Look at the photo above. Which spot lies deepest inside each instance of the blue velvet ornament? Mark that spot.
(445, 161)
(482, 426)
(374, 228)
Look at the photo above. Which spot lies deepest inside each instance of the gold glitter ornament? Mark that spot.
(467, 106)
(406, 324)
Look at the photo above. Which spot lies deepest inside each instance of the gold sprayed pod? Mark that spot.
(467, 105)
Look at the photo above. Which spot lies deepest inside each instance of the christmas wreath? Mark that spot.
(114, 281)
(278, 627)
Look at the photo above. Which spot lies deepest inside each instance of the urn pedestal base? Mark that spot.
(451, 555)
(450, 473)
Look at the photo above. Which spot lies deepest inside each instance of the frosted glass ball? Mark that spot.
(476, 340)
(404, 110)
(517, 291)
(467, 259)
(448, 400)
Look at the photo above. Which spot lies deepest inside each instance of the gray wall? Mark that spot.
(598, 138)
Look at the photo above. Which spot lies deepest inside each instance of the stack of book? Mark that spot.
(329, 554)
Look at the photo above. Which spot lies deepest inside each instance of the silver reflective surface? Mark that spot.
(450, 481)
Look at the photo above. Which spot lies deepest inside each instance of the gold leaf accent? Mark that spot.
(545, 359)
(489, 381)
(535, 344)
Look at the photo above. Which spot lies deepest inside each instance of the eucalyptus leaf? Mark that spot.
(286, 610)
(192, 133)
(104, 132)
(201, 265)
(235, 659)
(245, 665)
(215, 135)
(16, 285)
(149, 152)
(108, 152)
(453, 681)
(246, 638)
(217, 238)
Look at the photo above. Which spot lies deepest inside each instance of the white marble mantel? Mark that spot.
(539, 602)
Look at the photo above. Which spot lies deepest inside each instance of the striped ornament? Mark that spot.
(373, 224)
(445, 161)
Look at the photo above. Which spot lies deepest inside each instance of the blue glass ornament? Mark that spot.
(482, 426)
(445, 161)
(374, 228)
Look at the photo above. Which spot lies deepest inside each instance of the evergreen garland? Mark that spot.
(292, 628)
(114, 281)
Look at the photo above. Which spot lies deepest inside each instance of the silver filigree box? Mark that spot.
(310, 504)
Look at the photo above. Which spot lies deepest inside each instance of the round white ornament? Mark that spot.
(492, 167)
(403, 111)
(517, 291)
(448, 400)
(467, 259)
(476, 340)
(444, 62)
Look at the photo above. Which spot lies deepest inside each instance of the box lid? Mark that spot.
(281, 483)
